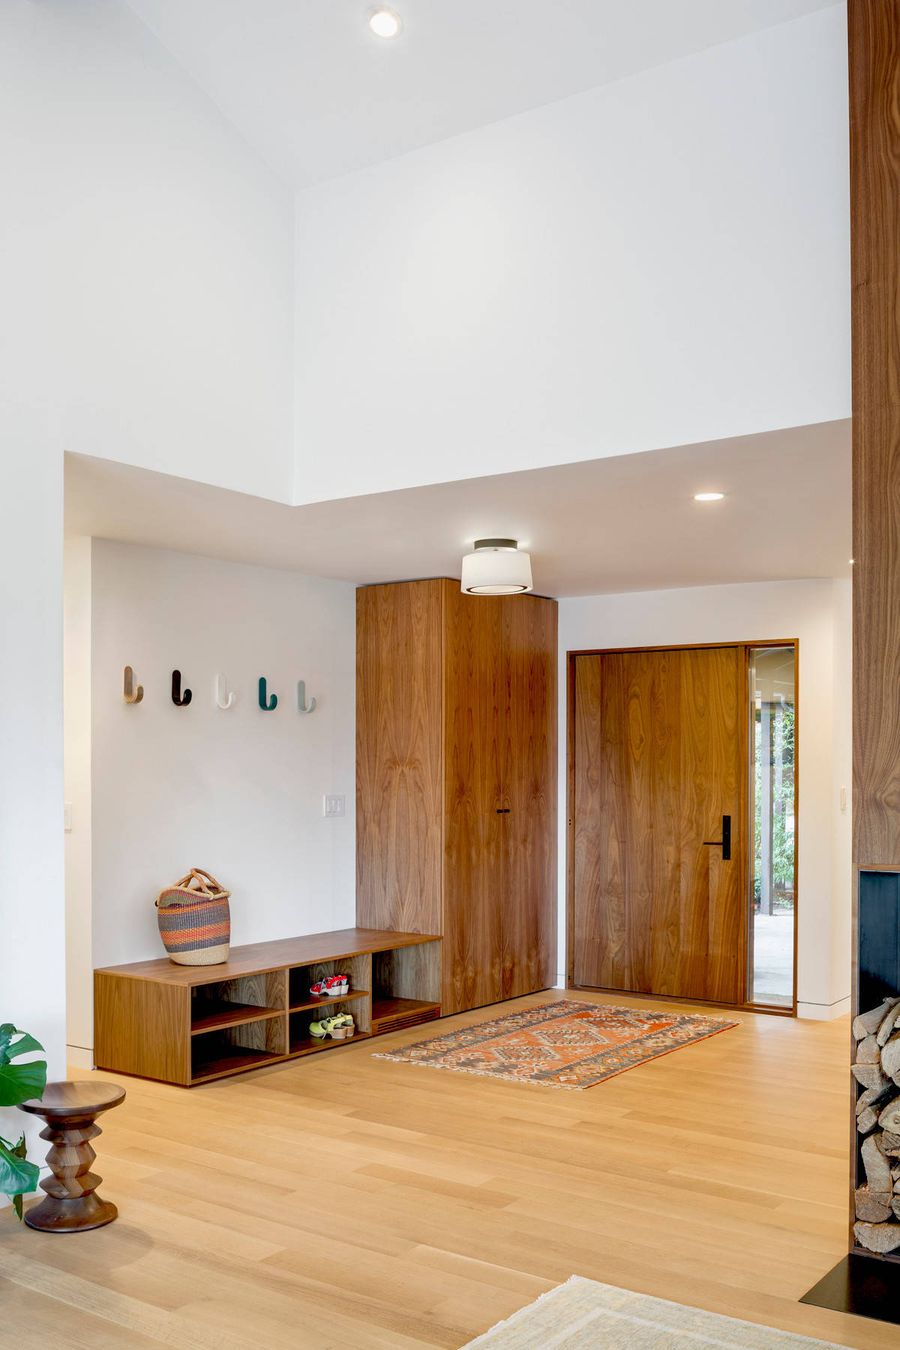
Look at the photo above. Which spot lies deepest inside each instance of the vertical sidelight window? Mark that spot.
(772, 802)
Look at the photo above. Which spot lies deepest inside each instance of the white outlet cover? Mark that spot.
(334, 806)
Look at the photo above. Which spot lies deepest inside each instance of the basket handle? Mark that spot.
(200, 883)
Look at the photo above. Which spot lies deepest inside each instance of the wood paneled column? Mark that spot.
(874, 35)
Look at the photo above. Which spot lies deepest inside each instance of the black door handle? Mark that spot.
(725, 842)
(502, 810)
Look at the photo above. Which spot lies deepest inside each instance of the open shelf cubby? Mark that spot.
(191, 1024)
(217, 1053)
(226, 1003)
(406, 985)
(302, 978)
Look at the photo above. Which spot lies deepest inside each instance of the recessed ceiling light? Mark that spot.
(708, 496)
(384, 23)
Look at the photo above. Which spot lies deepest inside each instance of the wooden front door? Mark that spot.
(659, 761)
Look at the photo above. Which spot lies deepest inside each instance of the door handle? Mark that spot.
(725, 842)
(503, 810)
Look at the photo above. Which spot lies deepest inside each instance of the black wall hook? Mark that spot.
(181, 698)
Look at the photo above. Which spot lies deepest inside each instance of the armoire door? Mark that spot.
(472, 875)
(659, 759)
(528, 781)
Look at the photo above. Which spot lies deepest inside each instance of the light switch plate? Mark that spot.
(67, 817)
(333, 806)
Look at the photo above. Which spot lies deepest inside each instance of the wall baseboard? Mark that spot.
(824, 1012)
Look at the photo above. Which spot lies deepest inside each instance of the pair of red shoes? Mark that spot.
(333, 986)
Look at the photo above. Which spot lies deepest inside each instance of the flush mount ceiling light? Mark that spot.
(496, 567)
(384, 23)
(708, 496)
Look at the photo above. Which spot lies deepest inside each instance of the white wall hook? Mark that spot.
(223, 698)
(301, 698)
(129, 692)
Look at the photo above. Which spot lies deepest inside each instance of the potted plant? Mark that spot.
(18, 1083)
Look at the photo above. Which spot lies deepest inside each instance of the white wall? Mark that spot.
(817, 614)
(32, 928)
(237, 792)
(77, 778)
(146, 273)
(145, 254)
(655, 262)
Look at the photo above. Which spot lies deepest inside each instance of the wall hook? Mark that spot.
(267, 704)
(180, 697)
(301, 698)
(129, 693)
(223, 698)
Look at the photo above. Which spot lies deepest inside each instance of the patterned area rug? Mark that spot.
(585, 1315)
(563, 1044)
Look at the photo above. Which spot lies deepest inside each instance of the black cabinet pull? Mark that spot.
(725, 842)
(503, 810)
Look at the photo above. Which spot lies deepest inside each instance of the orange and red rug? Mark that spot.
(563, 1044)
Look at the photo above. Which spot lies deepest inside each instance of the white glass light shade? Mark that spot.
(384, 23)
(496, 568)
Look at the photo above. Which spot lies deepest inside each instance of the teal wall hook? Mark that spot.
(268, 704)
(302, 704)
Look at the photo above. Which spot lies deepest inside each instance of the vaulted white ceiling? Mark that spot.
(317, 95)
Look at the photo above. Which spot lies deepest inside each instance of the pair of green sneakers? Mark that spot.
(339, 1028)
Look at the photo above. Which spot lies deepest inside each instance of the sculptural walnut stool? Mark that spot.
(70, 1110)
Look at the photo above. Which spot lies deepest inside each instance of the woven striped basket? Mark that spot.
(194, 920)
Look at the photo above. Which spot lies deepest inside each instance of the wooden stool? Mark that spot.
(70, 1109)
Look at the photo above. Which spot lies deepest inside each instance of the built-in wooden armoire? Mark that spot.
(456, 781)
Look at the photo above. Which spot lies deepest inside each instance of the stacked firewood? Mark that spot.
(877, 1071)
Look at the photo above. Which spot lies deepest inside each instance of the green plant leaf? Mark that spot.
(24, 1045)
(18, 1176)
(19, 1082)
(10, 1048)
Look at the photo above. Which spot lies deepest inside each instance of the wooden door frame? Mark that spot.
(746, 646)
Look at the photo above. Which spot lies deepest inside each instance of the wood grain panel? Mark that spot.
(659, 756)
(398, 756)
(874, 34)
(124, 1010)
(528, 779)
(262, 956)
(473, 877)
(712, 739)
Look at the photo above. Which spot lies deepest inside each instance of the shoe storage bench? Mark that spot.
(189, 1024)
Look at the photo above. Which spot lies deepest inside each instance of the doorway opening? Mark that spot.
(682, 822)
(773, 854)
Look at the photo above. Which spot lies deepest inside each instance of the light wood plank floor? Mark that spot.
(344, 1201)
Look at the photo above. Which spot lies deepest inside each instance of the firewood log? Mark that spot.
(872, 1206)
(868, 1075)
(877, 1167)
(868, 1022)
(890, 1059)
(883, 1034)
(872, 1095)
(868, 1051)
(889, 1120)
(878, 1237)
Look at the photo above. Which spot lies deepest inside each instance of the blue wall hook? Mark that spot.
(180, 697)
(302, 704)
(267, 704)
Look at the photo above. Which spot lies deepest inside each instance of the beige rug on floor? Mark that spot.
(585, 1315)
